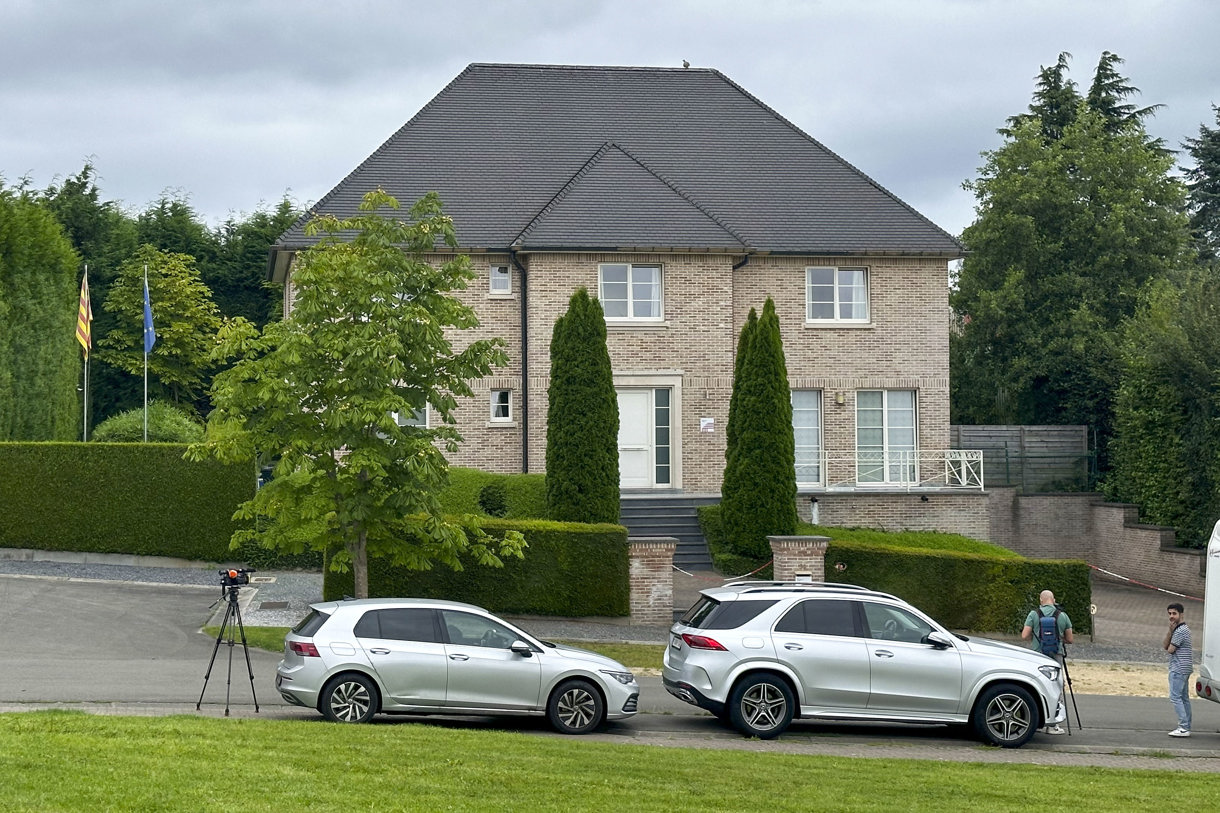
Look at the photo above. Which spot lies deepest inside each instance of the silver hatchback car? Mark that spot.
(352, 659)
(758, 654)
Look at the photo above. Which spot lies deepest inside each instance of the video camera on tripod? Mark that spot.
(235, 577)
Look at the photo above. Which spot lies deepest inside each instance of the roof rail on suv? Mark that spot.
(811, 587)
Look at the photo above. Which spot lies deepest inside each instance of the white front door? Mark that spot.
(635, 439)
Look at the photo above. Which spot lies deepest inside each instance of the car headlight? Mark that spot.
(1051, 672)
(625, 678)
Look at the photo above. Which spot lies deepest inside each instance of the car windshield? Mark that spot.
(311, 623)
(709, 614)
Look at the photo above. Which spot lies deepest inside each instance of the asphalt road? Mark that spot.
(136, 649)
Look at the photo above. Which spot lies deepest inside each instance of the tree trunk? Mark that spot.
(360, 564)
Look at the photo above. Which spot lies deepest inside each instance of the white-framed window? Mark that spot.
(885, 436)
(416, 417)
(836, 294)
(630, 291)
(807, 432)
(501, 405)
(499, 280)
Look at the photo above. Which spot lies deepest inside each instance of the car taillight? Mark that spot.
(302, 648)
(702, 642)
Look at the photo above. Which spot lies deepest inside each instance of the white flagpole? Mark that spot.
(145, 340)
(85, 416)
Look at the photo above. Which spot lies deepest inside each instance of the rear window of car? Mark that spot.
(311, 623)
(709, 614)
(404, 624)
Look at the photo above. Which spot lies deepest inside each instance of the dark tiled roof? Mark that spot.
(552, 157)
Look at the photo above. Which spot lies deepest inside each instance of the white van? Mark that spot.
(1208, 684)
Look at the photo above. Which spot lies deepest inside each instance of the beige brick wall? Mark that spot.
(964, 513)
(705, 303)
(1106, 535)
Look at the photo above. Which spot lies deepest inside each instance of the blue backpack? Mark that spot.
(1048, 633)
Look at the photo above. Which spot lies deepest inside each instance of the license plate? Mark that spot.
(676, 642)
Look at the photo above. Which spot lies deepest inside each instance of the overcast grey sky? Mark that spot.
(234, 103)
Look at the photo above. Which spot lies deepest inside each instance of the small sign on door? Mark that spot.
(707, 424)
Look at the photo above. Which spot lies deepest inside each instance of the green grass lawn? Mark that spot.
(929, 540)
(633, 656)
(74, 761)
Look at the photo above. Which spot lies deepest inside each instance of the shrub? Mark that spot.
(569, 569)
(493, 498)
(525, 494)
(166, 424)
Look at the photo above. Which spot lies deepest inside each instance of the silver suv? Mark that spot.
(758, 654)
(352, 659)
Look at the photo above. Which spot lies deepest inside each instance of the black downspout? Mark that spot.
(525, 363)
(744, 260)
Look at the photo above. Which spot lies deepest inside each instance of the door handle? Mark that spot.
(883, 653)
(793, 647)
(380, 651)
(458, 657)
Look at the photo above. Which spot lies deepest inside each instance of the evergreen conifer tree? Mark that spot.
(758, 496)
(582, 477)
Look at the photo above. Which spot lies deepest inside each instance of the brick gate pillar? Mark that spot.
(652, 579)
(799, 554)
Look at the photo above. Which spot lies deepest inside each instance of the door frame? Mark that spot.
(672, 381)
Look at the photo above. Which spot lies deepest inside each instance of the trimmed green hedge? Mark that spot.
(526, 493)
(967, 591)
(963, 583)
(134, 498)
(569, 569)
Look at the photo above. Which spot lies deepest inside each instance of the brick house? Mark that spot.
(682, 201)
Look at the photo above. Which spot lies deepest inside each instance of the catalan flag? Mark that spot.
(84, 317)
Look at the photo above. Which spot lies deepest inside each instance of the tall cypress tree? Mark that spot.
(758, 496)
(733, 428)
(40, 363)
(582, 478)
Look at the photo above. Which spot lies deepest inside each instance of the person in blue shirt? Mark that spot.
(1181, 664)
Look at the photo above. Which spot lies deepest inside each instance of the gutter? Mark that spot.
(525, 362)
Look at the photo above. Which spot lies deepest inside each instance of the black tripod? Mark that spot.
(229, 587)
(1067, 678)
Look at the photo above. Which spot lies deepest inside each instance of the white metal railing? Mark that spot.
(930, 468)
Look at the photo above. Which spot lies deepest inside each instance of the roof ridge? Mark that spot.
(687, 197)
(555, 66)
(596, 159)
(779, 117)
(562, 192)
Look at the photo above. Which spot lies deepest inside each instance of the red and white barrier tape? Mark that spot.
(721, 579)
(1142, 584)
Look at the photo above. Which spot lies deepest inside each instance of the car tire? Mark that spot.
(350, 698)
(761, 706)
(576, 707)
(1005, 715)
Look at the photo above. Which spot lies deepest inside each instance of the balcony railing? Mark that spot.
(910, 470)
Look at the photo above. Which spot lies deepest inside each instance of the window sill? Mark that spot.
(630, 325)
(501, 424)
(823, 324)
(509, 295)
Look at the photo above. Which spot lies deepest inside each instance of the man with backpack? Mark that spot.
(1047, 629)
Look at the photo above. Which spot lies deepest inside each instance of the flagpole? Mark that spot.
(146, 355)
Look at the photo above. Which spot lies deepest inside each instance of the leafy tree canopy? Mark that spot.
(184, 317)
(1203, 182)
(317, 394)
(1068, 232)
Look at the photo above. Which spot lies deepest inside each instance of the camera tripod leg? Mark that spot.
(215, 648)
(246, 649)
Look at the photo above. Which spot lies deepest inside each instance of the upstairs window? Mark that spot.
(500, 281)
(630, 291)
(836, 295)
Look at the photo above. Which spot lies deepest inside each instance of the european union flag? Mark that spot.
(150, 335)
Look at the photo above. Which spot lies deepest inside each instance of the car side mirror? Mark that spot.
(938, 640)
(522, 648)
